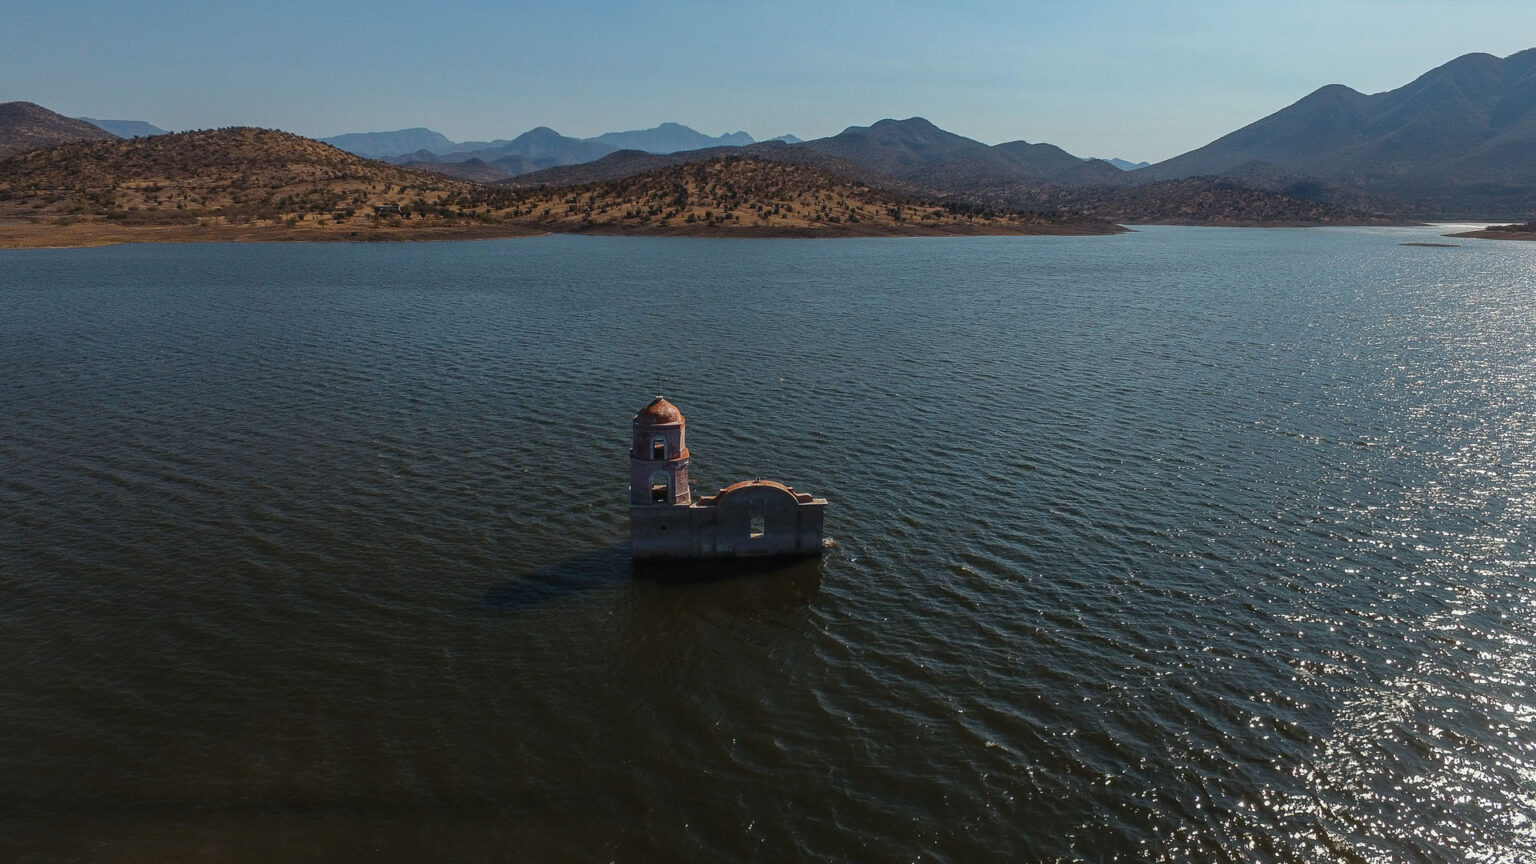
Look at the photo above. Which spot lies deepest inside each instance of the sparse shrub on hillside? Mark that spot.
(254, 177)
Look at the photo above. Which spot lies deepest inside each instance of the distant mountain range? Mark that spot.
(1459, 141)
(533, 150)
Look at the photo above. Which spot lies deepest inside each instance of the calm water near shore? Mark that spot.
(1187, 544)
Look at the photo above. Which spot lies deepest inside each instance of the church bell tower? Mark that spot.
(658, 457)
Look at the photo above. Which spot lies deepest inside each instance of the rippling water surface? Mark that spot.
(1181, 545)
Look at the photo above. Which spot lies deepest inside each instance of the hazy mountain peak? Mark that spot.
(1335, 91)
(379, 145)
(1475, 63)
(910, 123)
(915, 133)
(670, 137)
(909, 127)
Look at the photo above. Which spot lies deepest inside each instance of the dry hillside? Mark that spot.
(259, 184)
(1522, 231)
(752, 196)
(232, 175)
(1192, 201)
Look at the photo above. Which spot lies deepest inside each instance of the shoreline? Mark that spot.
(1493, 234)
(97, 233)
(90, 234)
(1133, 224)
(86, 235)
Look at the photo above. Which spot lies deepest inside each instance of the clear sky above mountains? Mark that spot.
(1143, 80)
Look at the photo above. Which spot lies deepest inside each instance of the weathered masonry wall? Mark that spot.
(751, 519)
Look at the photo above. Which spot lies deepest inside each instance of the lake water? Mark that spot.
(1187, 544)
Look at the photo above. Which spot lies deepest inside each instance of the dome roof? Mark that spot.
(659, 413)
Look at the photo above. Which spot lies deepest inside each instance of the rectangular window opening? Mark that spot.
(757, 528)
(658, 450)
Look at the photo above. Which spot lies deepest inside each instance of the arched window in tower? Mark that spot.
(661, 487)
(658, 449)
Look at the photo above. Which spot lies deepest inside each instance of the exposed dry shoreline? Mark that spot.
(998, 229)
(1496, 234)
(88, 233)
(102, 233)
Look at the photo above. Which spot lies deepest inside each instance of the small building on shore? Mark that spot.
(753, 518)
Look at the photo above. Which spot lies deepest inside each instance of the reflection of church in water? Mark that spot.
(746, 519)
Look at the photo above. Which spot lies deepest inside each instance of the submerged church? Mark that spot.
(747, 519)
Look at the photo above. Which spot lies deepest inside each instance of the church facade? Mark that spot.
(753, 518)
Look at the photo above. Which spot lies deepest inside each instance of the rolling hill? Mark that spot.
(475, 170)
(747, 195)
(627, 163)
(1214, 201)
(226, 176)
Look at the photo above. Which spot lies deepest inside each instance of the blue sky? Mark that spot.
(1141, 80)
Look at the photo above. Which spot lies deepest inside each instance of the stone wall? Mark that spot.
(750, 519)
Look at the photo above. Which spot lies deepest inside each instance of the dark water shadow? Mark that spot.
(597, 568)
(791, 579)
